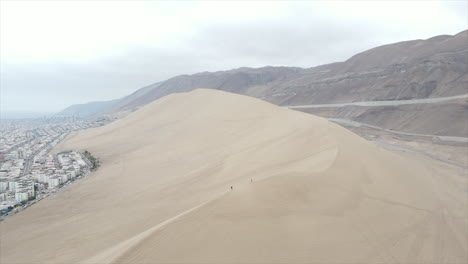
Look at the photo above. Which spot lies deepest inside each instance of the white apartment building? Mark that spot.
(21, 196)
(43, 178)
(3, 185)
(64, 177)
(12, 185)
(54, 181)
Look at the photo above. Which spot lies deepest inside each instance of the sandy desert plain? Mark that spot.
(305, 190)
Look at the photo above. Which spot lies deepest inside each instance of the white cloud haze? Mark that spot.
(54, 54)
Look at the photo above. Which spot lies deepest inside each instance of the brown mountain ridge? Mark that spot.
(416, 69)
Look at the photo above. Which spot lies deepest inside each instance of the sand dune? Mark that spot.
(305, 191)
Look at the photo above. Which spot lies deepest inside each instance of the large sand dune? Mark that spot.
(305, 191)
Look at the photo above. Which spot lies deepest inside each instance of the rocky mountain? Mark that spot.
(435, 67)
(431, 68)
(242, 81)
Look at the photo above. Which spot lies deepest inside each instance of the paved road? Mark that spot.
(382, 103)
(15, 147)
(358, 124)
(29, 160)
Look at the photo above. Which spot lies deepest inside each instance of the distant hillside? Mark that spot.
(88, 109)
(100, 108)
(126, 104)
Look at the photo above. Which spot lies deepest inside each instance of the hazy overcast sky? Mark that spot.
(57, 53)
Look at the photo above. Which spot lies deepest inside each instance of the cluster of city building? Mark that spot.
(28, 169)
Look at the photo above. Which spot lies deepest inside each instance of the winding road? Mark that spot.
(389, 103)
(358, 124)
(382, 103)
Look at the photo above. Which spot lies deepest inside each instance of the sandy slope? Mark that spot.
(319, 193)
